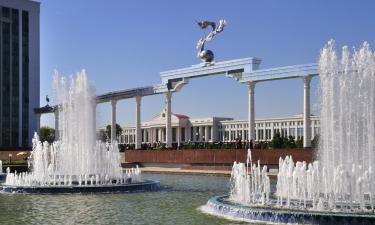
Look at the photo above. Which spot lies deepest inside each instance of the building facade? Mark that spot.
(217, 129)
(19, 71)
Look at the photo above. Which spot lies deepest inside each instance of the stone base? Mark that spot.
(220, 207)
(148, 185)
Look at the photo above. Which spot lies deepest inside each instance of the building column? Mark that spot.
(306, 112)
(251, 87)
(213, 133)
(200, 133)
(113, 120)
(229, 133)
(57, 129)
(243, 132)
(153, 137)
(168, 123)
(138, 130)
(178, 135)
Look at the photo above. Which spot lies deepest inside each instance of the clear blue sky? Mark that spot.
(125, 44)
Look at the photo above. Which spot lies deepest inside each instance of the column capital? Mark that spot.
(306, 81)
(251, 85)
(138, 98)
(168, 94)
(113, 102)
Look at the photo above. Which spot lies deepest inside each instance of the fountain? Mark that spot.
(76, 162)
(337, 188)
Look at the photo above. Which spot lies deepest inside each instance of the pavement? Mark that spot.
(179, 171)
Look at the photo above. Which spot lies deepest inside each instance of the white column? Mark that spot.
(168, 122)
(251, 87)
(206, 134)
(113, 120)
(201, 133)
(138, 130)
(57, 131)
(306, 112)
(213, 134)
(178, 135)
(229, 132)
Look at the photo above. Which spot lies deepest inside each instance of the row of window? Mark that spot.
(264, 134)
(10, 77)
(268, 124)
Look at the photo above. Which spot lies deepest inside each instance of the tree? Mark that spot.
(277, 141)
(315, 141)
(108, 131)
(47, 134)
(299, 142)
(102, 135)
(290, 142)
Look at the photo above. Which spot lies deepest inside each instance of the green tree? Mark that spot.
(102, 135)
(299, 142)
(108, 131)
(290, 142)
(277, 141)
(315, 141)
(47, 134)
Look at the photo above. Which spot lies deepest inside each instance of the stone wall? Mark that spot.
(216, 156)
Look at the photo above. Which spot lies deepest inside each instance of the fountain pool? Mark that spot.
(77, 162)
(338, 188)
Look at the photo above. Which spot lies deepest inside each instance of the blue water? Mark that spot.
(176, 203)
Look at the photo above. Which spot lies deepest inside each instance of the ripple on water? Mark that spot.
(175, 204)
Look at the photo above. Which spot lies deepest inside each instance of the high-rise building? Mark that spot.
(19, 71)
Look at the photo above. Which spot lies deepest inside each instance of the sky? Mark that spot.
(126, 44)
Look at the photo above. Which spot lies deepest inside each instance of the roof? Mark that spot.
(181, 116)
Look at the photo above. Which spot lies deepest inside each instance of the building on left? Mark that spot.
(19, 72)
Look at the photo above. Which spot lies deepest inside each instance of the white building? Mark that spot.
(217, 129)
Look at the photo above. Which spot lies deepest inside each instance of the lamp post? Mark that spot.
(10, 158)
